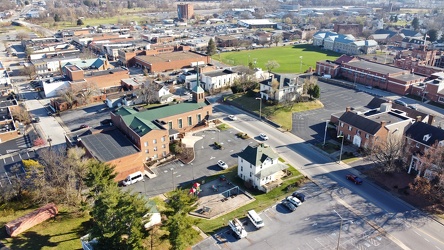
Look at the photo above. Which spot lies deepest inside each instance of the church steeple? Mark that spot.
(198, 94)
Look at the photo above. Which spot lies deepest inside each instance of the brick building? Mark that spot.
(171, 61)
(185, 11)
(142, 136)
(373, 74)
(127, 56)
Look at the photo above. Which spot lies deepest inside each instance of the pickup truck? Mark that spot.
(237, 228)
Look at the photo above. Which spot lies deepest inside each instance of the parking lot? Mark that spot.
(205, 163)
(314, 225)
(91, 116)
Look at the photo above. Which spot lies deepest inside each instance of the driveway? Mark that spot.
(204, 164)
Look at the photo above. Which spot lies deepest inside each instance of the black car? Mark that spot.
(289, 205)
(300, 196)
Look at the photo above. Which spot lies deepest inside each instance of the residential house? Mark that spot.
(280, 88)
(366, 129)
(420, 137)
(218, 79)
(259, 166)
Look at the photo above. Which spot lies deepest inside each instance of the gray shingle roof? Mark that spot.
(425, 133)
(360, 122)
(258, 154)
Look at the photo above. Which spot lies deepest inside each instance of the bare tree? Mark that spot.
(84, 91)
(21, 114)
(68, 96)
(274, 87)
(22, 36)
(272, 64)
(29, 71)
(150, 92)
(276, 38)
(389, 154)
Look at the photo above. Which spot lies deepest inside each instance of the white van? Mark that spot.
(133, 178)
(255, 219)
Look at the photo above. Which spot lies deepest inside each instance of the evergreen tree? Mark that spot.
(415, 23)
(316, 92)
(100, 176)
(79, 22)
(211, 49)
(57, 18)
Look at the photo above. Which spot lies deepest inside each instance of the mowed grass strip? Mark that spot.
(277, 113)
(288, 57)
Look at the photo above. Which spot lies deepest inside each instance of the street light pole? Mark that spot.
(325, 132)
(260, 107)
(340, 228)
(172, 177)
(342, 145)
(49, 140)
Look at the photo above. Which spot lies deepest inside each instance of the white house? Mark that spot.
(164, 94)
(218, 79)
(287, 87)
(259, 165)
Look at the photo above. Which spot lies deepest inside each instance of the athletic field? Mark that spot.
(288, 57)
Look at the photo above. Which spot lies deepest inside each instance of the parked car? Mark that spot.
(232, 117)
(84, 126)
(299, 196)
(289, 205)
(354, 179)
(295, 201)
(263, 136)
(222, 164)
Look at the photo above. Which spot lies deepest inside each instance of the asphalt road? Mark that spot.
(406, 227)
(314, 225)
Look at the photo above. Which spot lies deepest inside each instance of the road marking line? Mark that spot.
(426, 239)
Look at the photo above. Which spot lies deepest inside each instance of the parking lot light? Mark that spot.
(342, 145)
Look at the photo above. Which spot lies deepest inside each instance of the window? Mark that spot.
(348, 137)
(163, 139)
(154, 141)
(242, 168)
(251, 165)
(155, 148)
(350, 128)
(180, 123)
(199, 118)
(145, 144)
(163, 146)
(146, 151)
(190, 122)
(367, 136)
(155, 156)
(170, 125)
(342, 124)
(251, 174)
(164, 153)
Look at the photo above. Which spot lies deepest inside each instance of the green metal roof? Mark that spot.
(143, 122)
(258, 154)
(198, 89)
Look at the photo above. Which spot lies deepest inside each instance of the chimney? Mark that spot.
(419, 118)
(431, 119)
(383, 123)
(347, 109)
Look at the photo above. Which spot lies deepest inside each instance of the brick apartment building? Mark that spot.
(103, 79)
(185, 11)
(127, 57)
(171, 61)
(142, 136)
(373, 74)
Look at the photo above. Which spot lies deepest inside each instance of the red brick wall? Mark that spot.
(108, 80)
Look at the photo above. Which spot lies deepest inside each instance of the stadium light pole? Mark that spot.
(300, 67)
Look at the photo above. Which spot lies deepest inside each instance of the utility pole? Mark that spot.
(340, 228)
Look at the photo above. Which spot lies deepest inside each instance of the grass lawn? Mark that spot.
(62, 232)
(263, 200)
(328, 147)
(288, 57)
(277, 113)
(223, 127)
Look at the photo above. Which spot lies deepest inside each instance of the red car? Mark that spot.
(354, 179)
(84, 126)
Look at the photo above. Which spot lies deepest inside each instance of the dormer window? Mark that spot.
(426, 137)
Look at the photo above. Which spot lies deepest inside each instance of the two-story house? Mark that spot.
(280, 88)
(420, 137)
(259, 166)
(364, 130)
(218, 79)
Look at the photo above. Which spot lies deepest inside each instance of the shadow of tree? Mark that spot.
(32, 240)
